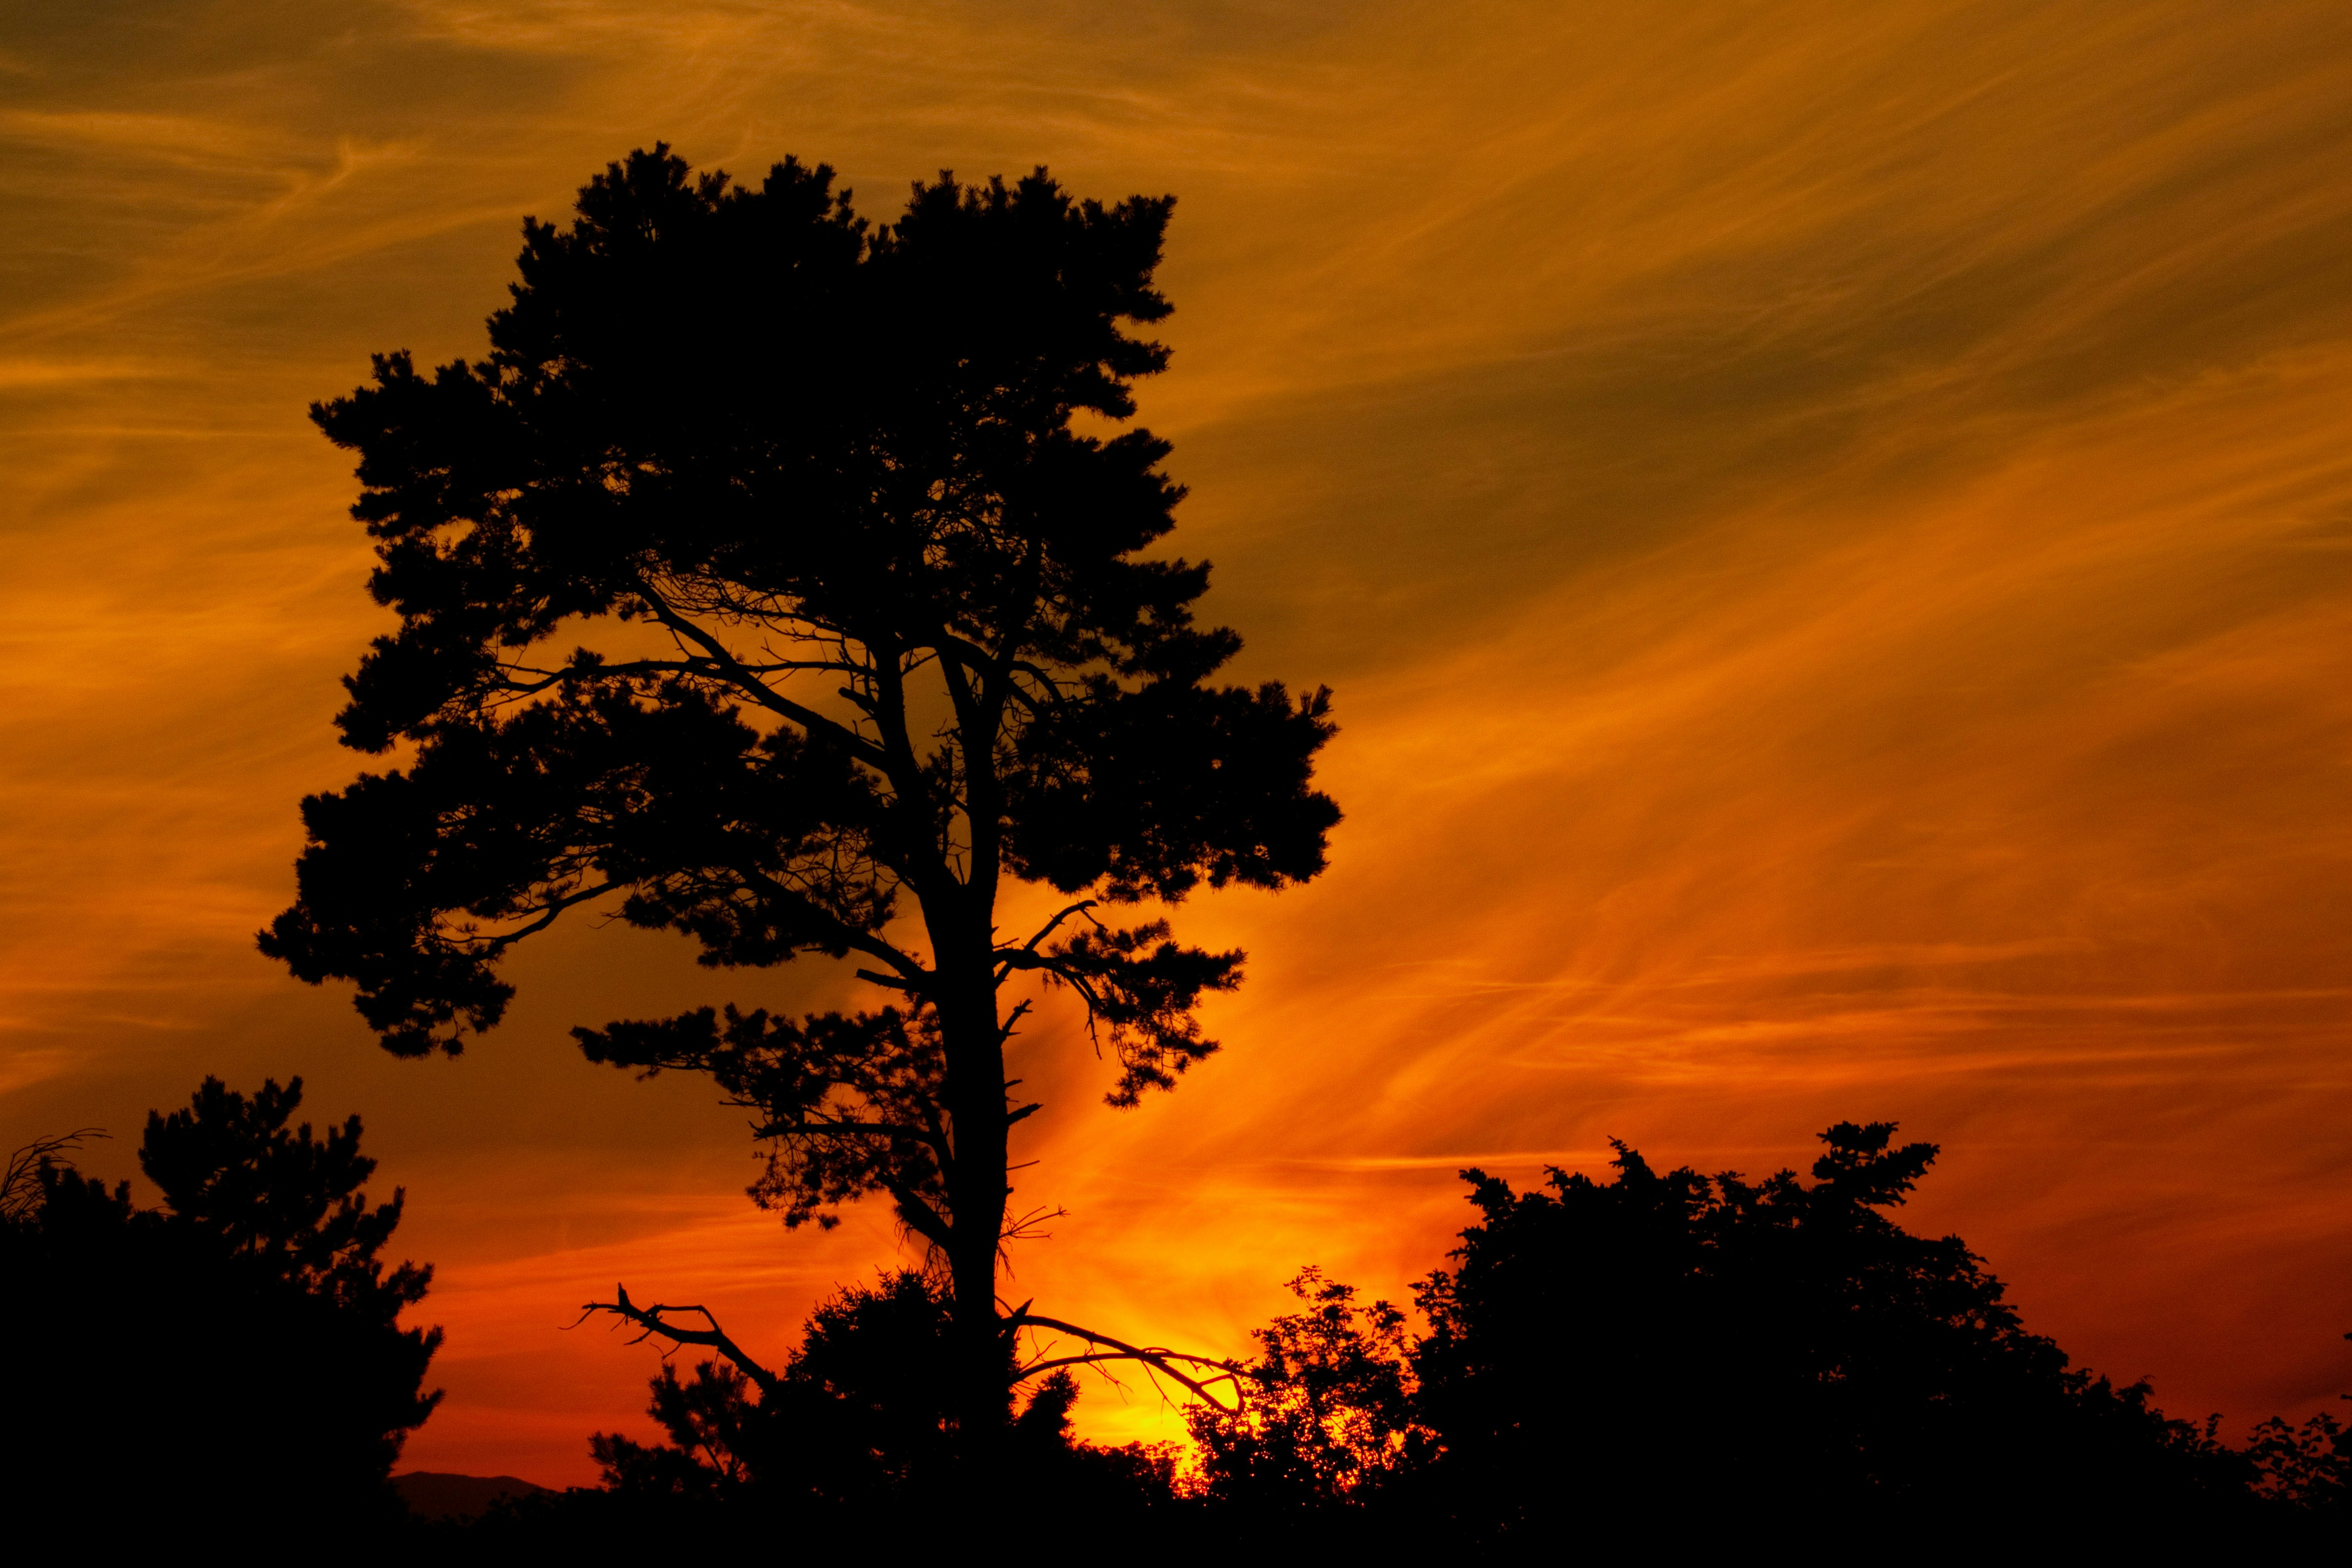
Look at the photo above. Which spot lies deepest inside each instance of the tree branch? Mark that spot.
(20, 1187)
(849, 935)
(844, 1127)
(921, 1219)
(638, 667)
(554, 907)
(760, 691)
(1030, 947)
(649, 1320)
(1155, 1357)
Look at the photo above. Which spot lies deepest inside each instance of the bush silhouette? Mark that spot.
(1668, 1360)
(855, 1438)
(230, 1365)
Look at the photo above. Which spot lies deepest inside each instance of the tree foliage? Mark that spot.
(862, 1411)
(853, 1438)
(2307, 1468)
(1668, 1358)
(1326, 1418)
(789, 583)
(236, 1352)
(1842, 1363)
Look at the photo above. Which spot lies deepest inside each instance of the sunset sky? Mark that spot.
(1830, 527)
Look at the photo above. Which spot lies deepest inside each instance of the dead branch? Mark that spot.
(1155, 1358)
(20, 1189)
(1024, 1228)
(1012, 958)
(650, 1321)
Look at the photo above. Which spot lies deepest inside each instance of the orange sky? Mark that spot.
(1831, 528)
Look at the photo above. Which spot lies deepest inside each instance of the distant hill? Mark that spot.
(434, 1494)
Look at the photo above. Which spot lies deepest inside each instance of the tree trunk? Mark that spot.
(976, 1184)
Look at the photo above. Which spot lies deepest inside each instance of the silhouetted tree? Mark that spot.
(230, 1366)
(857, 618)
(1671, 1354)
(1668, 1361)
(1326, 1418)
(2307, 1468)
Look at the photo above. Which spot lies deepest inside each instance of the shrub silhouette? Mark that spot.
(1668, 1358)
(229, 1365)
(856, 1436)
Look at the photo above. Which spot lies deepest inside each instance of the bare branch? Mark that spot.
(1025, 955)
(649, 1320)
(1154, 1357)
(1025, 1228)
(997, 671)
(20, 1189)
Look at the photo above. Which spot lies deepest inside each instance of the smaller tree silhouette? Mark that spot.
(1327, 1417)
(2307, 1468)
(1728, 1354)
(235, 1354)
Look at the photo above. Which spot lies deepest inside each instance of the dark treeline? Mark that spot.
(1653, 1359)
(1657, 1358)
